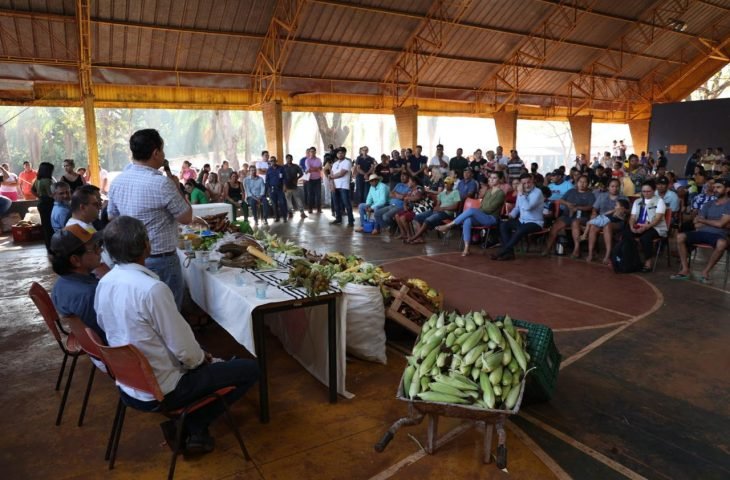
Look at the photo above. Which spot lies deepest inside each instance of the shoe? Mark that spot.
(276, 220)
(285, 220)
(704, 280)
(303, 215)
(495, 256)
(505, 257)
(680, 276)
(350, 225)
(359, 229)
(336, 222)
(318, 211)
(198, 443)
(375, 232)
(310, 212)
(645, 269)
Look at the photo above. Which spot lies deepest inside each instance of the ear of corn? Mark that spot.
(467, 359)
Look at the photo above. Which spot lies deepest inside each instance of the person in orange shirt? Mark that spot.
(26, 179)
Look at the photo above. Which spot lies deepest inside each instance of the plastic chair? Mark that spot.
(710, 247)
(543, 231)
(68, 345)
(88, 345)
(663, 242)
(131, 368)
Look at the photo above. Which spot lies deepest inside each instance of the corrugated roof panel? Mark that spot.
(480, 44)
(319, 61)
(412, 6)
(455, 73)
(522, 16)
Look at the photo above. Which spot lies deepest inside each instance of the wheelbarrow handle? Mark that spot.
(380, 446)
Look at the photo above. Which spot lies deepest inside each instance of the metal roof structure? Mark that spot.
(545, 58)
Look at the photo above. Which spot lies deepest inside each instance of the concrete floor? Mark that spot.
(643, 392)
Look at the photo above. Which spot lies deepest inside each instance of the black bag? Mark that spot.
(625, 256)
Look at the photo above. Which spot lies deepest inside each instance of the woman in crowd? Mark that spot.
(415, 202)
(214, 188)
(486, 215)
(195, 193)
(576, 206)
(187, 172)
(203, 174)
(647, 221)
(447, 203)
(42, 189)
(511, 194)
(9, 186)
(233, 194)
(604, 218)
(70, 176)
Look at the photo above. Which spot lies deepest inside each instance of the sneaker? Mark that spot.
(336, 222)
(276, 220)
(199, 443)
(303, 214)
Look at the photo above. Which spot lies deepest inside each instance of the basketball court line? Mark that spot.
(590, 327)
(546, 459)
(536, 289)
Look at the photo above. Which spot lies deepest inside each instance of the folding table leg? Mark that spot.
(332, 336)
(260, 340)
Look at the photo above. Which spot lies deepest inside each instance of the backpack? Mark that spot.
(625, 254)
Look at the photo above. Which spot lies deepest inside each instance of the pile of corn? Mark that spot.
(467, 359)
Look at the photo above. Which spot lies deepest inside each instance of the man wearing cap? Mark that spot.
(670, 198)
(75, 253)
(378, 195)
(142, 192)
(711, 225)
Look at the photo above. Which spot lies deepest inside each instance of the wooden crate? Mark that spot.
(399, 298)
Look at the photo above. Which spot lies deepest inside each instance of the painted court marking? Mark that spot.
(536, 289)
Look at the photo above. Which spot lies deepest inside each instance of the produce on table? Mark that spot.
(206, 243)
(362, 274)
(313, 277)
(235, 253)
(467, 359)
(423, 286)
(219, 223)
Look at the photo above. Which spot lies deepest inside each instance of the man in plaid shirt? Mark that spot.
(143, 192)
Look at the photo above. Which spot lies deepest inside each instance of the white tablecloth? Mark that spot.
(202, 210)
(303, 332)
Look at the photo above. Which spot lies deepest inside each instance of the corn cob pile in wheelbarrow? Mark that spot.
(464, 366)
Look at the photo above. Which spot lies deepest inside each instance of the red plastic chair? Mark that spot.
(131, 369)
(68, 345)
(88, 345)
(540, 234)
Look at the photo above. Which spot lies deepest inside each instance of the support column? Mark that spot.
(581, 127)
(274, 127)
(92, 147)
(640, 134)
(506, 123)
(406, 121)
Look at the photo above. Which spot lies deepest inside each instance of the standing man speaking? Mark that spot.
(143, 192)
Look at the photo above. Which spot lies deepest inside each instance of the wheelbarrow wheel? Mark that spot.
(501, 456)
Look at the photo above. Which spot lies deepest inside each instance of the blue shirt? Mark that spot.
(671, 199)
(529, 207)
(467, 188)
(403, 189)
(275, 177)
(558, 190)
(59, 215)
(254, 186)
(73, 294)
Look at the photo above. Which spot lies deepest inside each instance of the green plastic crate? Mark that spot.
(544, 356)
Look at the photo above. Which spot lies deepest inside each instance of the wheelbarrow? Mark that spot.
(492, 419)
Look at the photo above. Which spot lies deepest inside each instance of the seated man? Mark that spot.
(711, 226)
(384, 216)
(671, 200)
(377, 198)
(85, 208)
(447, 202)
(134, 307)
(61, 209)
(468, 187)
(528, 208)
(75, 253)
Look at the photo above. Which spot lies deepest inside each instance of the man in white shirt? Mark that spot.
(134, 307)
(263, 165)
(440, 160)
(341, 171)
(500, 157)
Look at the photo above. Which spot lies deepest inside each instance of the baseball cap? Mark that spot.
(71, 238)
(373, 177)
(663, 180)
(558, 172)
(449, 180)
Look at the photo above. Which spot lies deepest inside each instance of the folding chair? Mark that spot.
(132, 369)
(68, 345)
(543, 231)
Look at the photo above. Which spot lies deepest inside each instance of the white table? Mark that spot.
(307, 338)
(202, 210)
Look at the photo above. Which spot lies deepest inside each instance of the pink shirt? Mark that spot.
(314, 163)
(188, 174)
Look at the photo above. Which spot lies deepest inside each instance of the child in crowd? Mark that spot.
(618, 170)
(618, 214)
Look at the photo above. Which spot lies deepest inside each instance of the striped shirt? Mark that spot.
(144, 193)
